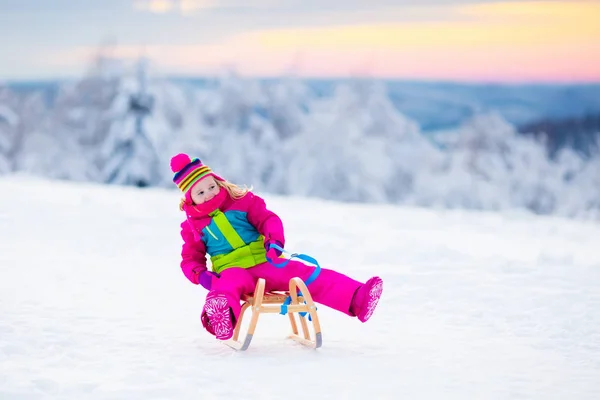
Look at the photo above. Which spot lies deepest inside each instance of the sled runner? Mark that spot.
(289, 303)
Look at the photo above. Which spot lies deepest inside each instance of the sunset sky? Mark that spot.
(457, 40)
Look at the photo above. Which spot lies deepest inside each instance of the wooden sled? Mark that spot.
(272, 302)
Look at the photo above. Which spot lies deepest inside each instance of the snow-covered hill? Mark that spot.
(476, 305)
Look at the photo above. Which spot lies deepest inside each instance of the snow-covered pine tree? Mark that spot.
(8, 131)
(22, 124)
(130, 156)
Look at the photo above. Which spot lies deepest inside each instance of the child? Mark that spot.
(235, 228)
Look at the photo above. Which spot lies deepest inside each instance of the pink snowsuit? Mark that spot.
(250, 218)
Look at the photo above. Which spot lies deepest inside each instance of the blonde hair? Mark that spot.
(235, 192)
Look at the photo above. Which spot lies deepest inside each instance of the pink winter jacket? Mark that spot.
(251, 218)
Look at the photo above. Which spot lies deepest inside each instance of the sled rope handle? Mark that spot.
(302, 257)
(308, 281)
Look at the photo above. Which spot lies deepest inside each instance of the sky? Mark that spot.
(463, 40)
(475, 305)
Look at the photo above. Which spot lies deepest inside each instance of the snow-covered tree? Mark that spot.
(349, 147)
(581, 198)
(8, 132)
(495, 167)
(286, 104)
(129, 155)
(228, 103)
(22, 119)
(82, 115)
(240, 139)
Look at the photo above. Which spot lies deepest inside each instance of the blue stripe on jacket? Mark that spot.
(215, 241)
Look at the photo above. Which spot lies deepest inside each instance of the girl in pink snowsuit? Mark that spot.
(234, 227)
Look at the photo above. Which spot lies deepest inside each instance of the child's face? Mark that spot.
(204, 190)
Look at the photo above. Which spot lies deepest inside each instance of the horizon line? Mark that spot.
(466, 82)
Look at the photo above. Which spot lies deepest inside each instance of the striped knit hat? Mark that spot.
(188, 172)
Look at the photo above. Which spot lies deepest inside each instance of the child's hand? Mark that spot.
(273, 252)
(206, 279)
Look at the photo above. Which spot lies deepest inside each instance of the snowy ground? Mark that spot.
(475, 305)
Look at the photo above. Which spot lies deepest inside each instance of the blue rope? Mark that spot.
(302, 257)
(307, 282)
(287, 302)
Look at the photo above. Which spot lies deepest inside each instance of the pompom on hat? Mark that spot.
(188, 172)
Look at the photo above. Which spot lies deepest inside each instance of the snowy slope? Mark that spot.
(475, 305)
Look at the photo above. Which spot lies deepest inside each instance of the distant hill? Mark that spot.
(580, 133)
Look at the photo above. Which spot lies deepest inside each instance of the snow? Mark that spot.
(8, 116)
(476, 305)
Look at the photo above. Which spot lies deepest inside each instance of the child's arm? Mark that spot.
(193, 255)
(266, 222)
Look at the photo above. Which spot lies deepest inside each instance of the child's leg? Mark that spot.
(222, 307)
(331, 288)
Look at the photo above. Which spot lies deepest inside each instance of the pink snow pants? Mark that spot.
(331, 288)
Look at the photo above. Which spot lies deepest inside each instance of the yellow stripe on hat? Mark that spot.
(193, 177)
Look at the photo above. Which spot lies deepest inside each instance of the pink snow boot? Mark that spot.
(217, 317)
(366, 298)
